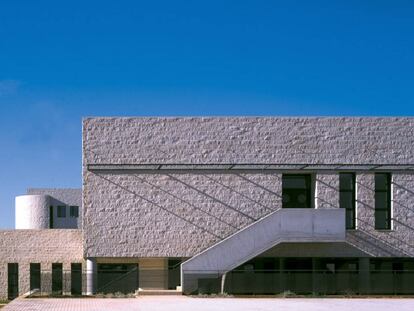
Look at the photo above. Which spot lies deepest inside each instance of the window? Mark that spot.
(51, 217)
(74, 211)
(57, 278)
(34, 276)
(347, 197)
(296, 191)
(383, 201)
(12, 280)
(61, 211)
(76, 279)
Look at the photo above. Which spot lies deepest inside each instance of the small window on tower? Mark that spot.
(74, 211)
(61, 211)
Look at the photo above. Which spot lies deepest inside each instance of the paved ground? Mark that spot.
(209, 304)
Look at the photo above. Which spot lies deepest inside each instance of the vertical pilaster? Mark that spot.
(327, 190)
(365, 202)
(24, 278)
(3, 281)
(66, 281)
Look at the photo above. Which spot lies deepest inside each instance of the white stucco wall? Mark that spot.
(32, 211)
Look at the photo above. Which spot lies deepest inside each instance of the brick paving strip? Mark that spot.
(162, 303)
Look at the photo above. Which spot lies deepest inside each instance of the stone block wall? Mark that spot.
(327, 190)
(385, 243)
(37, 246)
(248, 140)
(178, 215)
(174, 215)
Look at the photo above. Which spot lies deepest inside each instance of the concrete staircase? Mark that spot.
(158, 292)
(284, 225)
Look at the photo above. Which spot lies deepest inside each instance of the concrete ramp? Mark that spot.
(284, 225)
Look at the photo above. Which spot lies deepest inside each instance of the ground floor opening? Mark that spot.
(129, 275)
(324, 276)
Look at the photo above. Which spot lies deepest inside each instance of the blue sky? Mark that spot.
(61, 60)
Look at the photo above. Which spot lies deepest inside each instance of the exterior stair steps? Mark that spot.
(283, 225)
(158, 292)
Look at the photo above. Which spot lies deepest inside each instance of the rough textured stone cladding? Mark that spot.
(171, 215)
(397, 242)
(174, 215)
(37, 246)
(248, 140)
(45, 245)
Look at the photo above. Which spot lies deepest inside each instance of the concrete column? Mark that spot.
(66, 278)
(223, 283)
(91, 276)
(364, 276)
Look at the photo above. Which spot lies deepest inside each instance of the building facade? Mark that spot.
(244, 205)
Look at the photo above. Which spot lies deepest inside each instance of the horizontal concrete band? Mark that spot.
(253, 167)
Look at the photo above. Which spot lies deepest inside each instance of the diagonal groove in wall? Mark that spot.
(382, 241)
(410, 192)
(362, 236)
(319, 198)
(239, 193)
(159, 206)
(403, 205)
(259, 185)
(375, 244)
(185, 202)
(213, 198)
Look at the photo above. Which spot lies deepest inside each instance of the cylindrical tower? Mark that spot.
(32, 211)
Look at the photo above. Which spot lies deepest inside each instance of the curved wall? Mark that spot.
(32, 211)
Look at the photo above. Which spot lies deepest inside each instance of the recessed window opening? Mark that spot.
(347, 198)
(74, 211)
(296, 191)
(383, 201)
(61, 211)
(34, 276)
